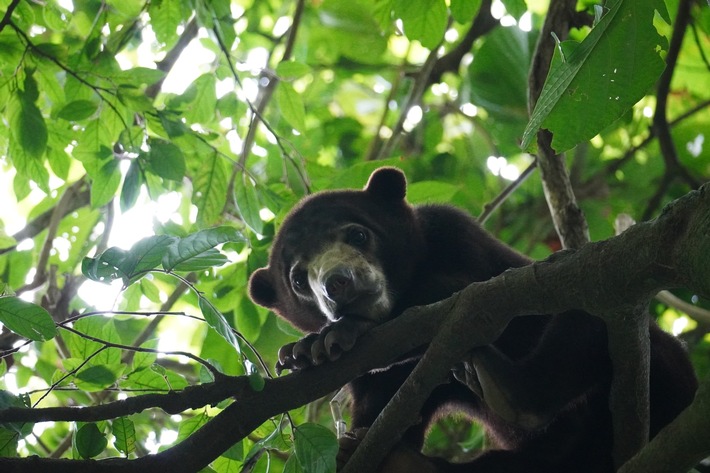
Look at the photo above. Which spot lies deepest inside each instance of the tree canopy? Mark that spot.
(151, 148)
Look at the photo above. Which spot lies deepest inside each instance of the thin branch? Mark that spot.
(451, 61)
(172, 56)
(415, 95)
(660, 120)
(492, 206)
(567, 217)
(8, 14)
(40, 223)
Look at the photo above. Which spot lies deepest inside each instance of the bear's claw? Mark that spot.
(327, 345)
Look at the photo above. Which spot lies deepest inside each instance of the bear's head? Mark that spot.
(345, 253)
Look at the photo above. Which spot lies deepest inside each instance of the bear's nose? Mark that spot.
(337, 287)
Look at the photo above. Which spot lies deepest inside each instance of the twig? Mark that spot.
(8, 14)
(660, 120)
(492, 206)
(568, 218)
(172, 56)
(214, 371)
(481, 25)
(415, 96)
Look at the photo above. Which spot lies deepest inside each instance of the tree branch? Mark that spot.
(668, 252)
(660, 120)
(567, 217)
(8, 14)
(662, 257)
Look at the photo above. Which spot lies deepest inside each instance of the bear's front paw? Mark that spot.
(327, 345)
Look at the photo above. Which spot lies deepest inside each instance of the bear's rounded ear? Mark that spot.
(387, 183)
(261, 288)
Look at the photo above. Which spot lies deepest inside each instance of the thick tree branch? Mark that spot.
(668, 252)
(599, 278)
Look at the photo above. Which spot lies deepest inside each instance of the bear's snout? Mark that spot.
(338, 286)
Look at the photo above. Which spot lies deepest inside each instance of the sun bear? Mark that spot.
(345, 261)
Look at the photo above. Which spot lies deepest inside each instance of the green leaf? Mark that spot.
(602, 77)
(103, 268)
(499, 74)
(463, 11)
(316, 448)
(56, 17)
(165, 17)
(26, 319)
(105, 183)
(423, 20)
(246, 198)
(217, 321)
(138, 76)
(78, 110)
(292, 465)
(351, 29)
(28, 167)
(81, 348)
(145, 255)
(291, 105)
(18, 429)
(191, 425)
(191, 247)
(27, 125)
(97, 378)
(166, 160)
(206, 260)
(203, 105)
(90, 441)
(289, 70)
(59, 161)
(125, 434)
(210, 189)
(131, 186)
(8, 442)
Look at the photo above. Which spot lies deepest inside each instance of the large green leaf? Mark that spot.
(423, 20)
(189, 249)
(246, 197)
(114, 263)
(27, 124)
(291, 105)
(145, 255)
(217, 321)
(105, 183)
(210, 189)
(166, 160)
(464, 11)
(26, 319)
(600, 78)
(90, 441)
(316, 447)
(124, 433)
(77, 110)
(165, 17)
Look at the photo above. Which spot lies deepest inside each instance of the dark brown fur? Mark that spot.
(555, 366)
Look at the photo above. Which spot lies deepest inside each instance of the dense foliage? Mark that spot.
(151, 148)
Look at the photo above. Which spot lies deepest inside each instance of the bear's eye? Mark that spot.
(356, 237)
(299, 281)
